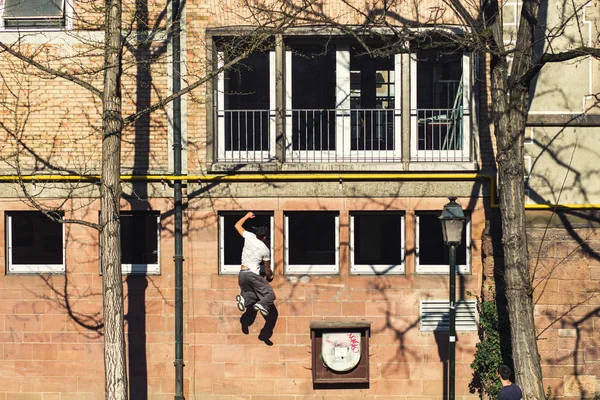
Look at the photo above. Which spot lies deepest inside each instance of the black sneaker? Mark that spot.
(261, 309)
(241, 303)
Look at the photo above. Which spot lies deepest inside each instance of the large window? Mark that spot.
(140, 242)
(35, 14)
(432, 255)
(312, 242)
(246, 109)
(440, 87)
(35, 243)
(373, 102)
(377, 243)
(342, 104)
(231, 243)
(313, 98)
(337, 100)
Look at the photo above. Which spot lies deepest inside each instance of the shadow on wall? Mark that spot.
(266, 333)
(443, 346)
(136, 336)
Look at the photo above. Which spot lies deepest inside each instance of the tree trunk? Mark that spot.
(517, 280)
(510, 99)
(115, 370)
(509, 124)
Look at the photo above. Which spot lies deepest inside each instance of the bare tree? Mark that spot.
(110, 197)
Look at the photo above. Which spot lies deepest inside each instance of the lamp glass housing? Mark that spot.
(453, 222)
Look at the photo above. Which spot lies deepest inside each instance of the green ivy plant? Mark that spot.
(550, 396)
(488, 354)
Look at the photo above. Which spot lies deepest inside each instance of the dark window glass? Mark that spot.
(378, 239)
(432, 250)
(247, 83)
(232, 241)
(438, 78)
(311, 238)
(36, 239)
(33, 13)
(372, 101)
(247, 104)
(139, 237)
(439, 100)
(313, 97)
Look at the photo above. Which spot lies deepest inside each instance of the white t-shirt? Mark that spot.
(254, 252)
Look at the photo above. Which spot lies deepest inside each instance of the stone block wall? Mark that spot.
(564, 249)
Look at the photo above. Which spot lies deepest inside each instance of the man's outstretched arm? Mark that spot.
(239, 226)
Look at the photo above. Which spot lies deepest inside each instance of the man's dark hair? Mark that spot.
(504, 371)
(261, 232)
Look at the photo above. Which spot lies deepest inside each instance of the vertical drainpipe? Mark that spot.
(178, 257)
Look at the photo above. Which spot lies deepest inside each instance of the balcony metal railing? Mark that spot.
(246, 135)
(361, 135)
(440, 135)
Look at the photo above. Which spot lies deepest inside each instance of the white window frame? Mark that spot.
(148, 269)
(436, 309)
(343, 122)
(442, 269)
(296, 269)
(443, 155)
(261, 155)
(68, 12)
(387, 155)
(140, 269)
(33, 268)
(366, 269)
(234, 269)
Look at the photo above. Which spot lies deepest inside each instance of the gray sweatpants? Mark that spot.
(255, 289)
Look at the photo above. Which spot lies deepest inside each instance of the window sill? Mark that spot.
(337, 167)
(376, 270)
(424, 270)
(36, 270)
(443, 166)
(140, 269)
(312, 270)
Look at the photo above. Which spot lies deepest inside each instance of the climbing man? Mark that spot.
(255, 290)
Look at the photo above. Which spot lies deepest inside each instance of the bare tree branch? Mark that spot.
(51, 71)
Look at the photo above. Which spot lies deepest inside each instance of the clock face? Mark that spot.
(341, 351)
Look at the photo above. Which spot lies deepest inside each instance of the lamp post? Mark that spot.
(453, 221)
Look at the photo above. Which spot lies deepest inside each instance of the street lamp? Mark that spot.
(453, 221)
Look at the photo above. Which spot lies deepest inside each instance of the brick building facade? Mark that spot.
(348, 159)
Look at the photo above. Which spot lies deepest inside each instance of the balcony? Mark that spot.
(343, 110)
(362, 135)
(342, 136)
(439, 135)
(247, 136)
(367, 135)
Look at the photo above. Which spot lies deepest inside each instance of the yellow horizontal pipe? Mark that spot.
(332, 176)
(566, 206)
